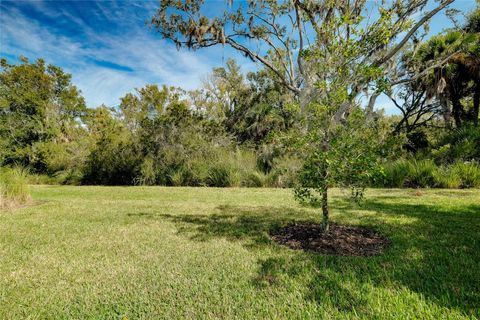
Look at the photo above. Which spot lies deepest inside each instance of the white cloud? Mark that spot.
(151, 59)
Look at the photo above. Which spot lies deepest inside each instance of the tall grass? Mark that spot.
(14, 188)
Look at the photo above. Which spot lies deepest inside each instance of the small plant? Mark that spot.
(147, 173)
(177, 178)
(221, 176)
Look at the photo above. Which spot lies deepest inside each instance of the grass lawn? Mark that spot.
(202, 253)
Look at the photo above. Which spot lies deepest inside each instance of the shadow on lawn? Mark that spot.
(437, 255)
(235, 223)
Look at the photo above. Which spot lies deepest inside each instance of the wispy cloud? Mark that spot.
(109, 55)
(108, 48)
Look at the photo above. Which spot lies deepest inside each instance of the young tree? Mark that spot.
(326, 52)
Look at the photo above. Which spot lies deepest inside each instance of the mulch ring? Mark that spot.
(341, 240)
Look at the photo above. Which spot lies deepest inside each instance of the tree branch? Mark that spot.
(425, 71)
(399, 46)
(254, 56)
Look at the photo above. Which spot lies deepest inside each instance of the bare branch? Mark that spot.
(254, 56)
(420, 23)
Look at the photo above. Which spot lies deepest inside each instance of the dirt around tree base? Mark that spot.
(341, 240)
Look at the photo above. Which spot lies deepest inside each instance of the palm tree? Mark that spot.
(456, 83)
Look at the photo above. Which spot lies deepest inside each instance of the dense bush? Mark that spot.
(13, 187)
(461, 144)
(421, 174)
(426, 174)
(247, 134)
(396, 173)
(254, 179)
(469, 174)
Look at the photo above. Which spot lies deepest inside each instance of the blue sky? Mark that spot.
(109, 50)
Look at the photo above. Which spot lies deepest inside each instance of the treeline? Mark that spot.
(238, 130)
(221, 135)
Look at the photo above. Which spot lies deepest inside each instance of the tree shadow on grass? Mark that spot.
(235, 223)
(435, 253)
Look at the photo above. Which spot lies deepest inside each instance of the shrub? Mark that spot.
(461, 144)
(421, 174)
(219, 176)
(177, 178)
(469, 173)
(14, 188)
(255, 179)
(273, 179)
(147, 175)
(425, 174)
(70, 177)
(41, 179)
(285, 172)
(445, 177)
(396, 173)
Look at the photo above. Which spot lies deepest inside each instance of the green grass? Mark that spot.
(186, 253)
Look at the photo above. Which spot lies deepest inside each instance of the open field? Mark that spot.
(174, 253)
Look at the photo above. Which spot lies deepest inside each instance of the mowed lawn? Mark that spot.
(204, 253)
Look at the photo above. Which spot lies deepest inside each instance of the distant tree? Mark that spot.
(222, 91)
(250, 108)
(113, 158)
(326, 52)
(40, 110)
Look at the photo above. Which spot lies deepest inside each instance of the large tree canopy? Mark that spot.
(326, 52)
(304, 43)
(39, 107)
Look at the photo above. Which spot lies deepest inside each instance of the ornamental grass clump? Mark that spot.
(14, 188)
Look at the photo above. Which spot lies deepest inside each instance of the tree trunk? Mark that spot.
(446, 111)
(457, 111)
(325, 219)
(476, 103)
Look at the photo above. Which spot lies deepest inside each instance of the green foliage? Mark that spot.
(447, 177)
(42, 113)
(222, 176)
(113, 159)
(178, 178)
(469, 174)
(421, 174)
(396, 173)
(255, 179)
(147, 175)
(426, 174)
(14, 189)
(454, 83)
(461, 144)
(349, 159)
(285, 172)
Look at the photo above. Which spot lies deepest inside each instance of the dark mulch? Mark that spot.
(340, 240)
